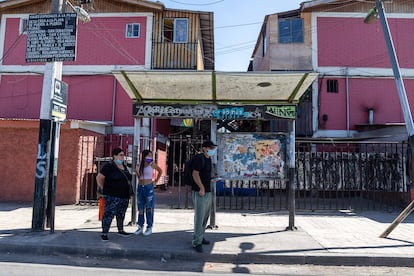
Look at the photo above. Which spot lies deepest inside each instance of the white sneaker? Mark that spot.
(139, 231)
(148, 232)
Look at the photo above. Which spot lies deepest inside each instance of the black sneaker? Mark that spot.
(198, 248)
(123, 233)
(205, 241)
(104, 237)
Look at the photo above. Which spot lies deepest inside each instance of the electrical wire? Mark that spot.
(227, 49)
(197, 4)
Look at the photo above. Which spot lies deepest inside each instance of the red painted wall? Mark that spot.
(14, 43)
(378, 94)
(20, 96)
(89, 98)
(350, 42)
(99, 42)
(19, 149)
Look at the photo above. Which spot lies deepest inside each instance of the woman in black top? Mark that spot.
(114, 179)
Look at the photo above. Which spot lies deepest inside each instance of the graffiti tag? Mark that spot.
(41, 163)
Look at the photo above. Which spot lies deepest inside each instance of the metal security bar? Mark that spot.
(329, 176)
(351, 175)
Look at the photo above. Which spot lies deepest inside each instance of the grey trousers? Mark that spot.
(202, 207)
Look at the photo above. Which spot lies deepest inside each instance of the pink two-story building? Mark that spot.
(121, 35)
(356, 89)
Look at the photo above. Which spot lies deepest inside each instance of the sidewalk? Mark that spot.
(322, 238)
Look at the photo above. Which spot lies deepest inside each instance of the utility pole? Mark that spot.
(49, 129)
(404, 105)
(379, 11)
(46, 166)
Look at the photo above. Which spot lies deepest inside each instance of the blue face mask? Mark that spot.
(148, 160)
(119, 161)
(211, 152)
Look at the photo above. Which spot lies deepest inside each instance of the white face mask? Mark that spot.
(211, 152)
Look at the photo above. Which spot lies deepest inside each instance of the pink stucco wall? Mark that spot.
(379, 94)
(89, 98)
(350, 42)
(100, 42)
(20, 96)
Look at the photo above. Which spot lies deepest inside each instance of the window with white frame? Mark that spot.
(175, 30)
(132, 30)
(23, 25)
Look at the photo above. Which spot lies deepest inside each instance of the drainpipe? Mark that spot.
(371, 116)
(347, 102)
(113, 106)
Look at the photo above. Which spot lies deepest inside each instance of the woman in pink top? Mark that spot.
(145, 191)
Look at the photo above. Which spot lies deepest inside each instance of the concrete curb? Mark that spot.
(234, 258)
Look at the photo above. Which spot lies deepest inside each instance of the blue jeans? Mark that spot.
(146, 204)
(202, 207)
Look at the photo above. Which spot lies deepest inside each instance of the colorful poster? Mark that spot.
(251, 155)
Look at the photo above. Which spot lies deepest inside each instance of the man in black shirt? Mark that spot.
(201, 193)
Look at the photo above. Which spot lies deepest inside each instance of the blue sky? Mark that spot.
(236, 26)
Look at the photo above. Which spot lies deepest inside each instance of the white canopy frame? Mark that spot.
(217, 88)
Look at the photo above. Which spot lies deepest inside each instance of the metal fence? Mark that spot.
(95, 152)
(352, 175)
(329, 176)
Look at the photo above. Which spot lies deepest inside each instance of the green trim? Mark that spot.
(214, 86)
(298, 86)
(223, 102)
(134, 90)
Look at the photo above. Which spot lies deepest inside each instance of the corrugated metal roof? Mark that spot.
(214, 87)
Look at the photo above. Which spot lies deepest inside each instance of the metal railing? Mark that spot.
(328, 176)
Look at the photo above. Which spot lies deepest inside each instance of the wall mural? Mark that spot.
(252, 155)
(219, 112)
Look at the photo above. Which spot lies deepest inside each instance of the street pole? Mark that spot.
(403, 101)
(397, 74)
(291, 194)
(135, 160)
(46, 166)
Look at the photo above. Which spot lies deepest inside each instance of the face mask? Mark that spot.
(148, 160)
(211, 152)
(119, 161)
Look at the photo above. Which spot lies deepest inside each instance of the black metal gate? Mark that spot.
(328, 176)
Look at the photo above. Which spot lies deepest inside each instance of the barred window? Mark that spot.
(332, 86)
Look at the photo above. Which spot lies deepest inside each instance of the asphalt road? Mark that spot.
(23, 264)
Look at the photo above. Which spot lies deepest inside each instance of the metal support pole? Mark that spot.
(188, 189)
(291, 199)
(54, 152)
(135, 155)
(213, 183)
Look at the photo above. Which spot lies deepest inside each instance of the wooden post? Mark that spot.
(407, 211)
